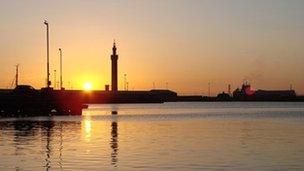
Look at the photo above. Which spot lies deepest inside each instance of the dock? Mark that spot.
(24, 100)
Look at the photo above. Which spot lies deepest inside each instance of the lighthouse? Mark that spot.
(114, 58)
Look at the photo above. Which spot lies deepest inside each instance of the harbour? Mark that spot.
(165, 136)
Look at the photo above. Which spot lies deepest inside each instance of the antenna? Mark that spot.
(229, 89)
(166, 85)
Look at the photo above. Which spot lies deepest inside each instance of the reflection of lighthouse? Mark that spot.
(114, 140)
(114, 58)
(114, 143)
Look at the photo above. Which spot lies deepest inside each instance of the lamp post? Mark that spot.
(48, 82)
(61, 83)
(55, 81)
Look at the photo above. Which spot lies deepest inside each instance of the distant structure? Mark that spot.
(17, 76)
(114, 59)
(246, 93)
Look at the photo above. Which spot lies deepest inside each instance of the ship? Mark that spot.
(246, 93)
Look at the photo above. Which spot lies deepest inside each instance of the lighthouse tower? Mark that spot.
(114, 58)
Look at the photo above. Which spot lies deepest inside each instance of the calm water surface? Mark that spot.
(170, 136)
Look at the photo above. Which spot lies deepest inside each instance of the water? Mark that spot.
(171, 136)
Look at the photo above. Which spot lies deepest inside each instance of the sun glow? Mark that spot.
(87, 86)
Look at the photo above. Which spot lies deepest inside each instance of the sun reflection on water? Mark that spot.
(87, 128)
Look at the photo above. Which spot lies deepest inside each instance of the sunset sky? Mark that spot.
(186, 43)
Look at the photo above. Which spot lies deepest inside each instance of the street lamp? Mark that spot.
(48, 83)
(61, 83)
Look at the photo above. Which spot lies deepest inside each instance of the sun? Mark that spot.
(87, 86)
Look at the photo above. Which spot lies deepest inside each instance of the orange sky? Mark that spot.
(184, 43)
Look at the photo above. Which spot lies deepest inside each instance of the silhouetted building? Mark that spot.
(223, 97)
(114, 58)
